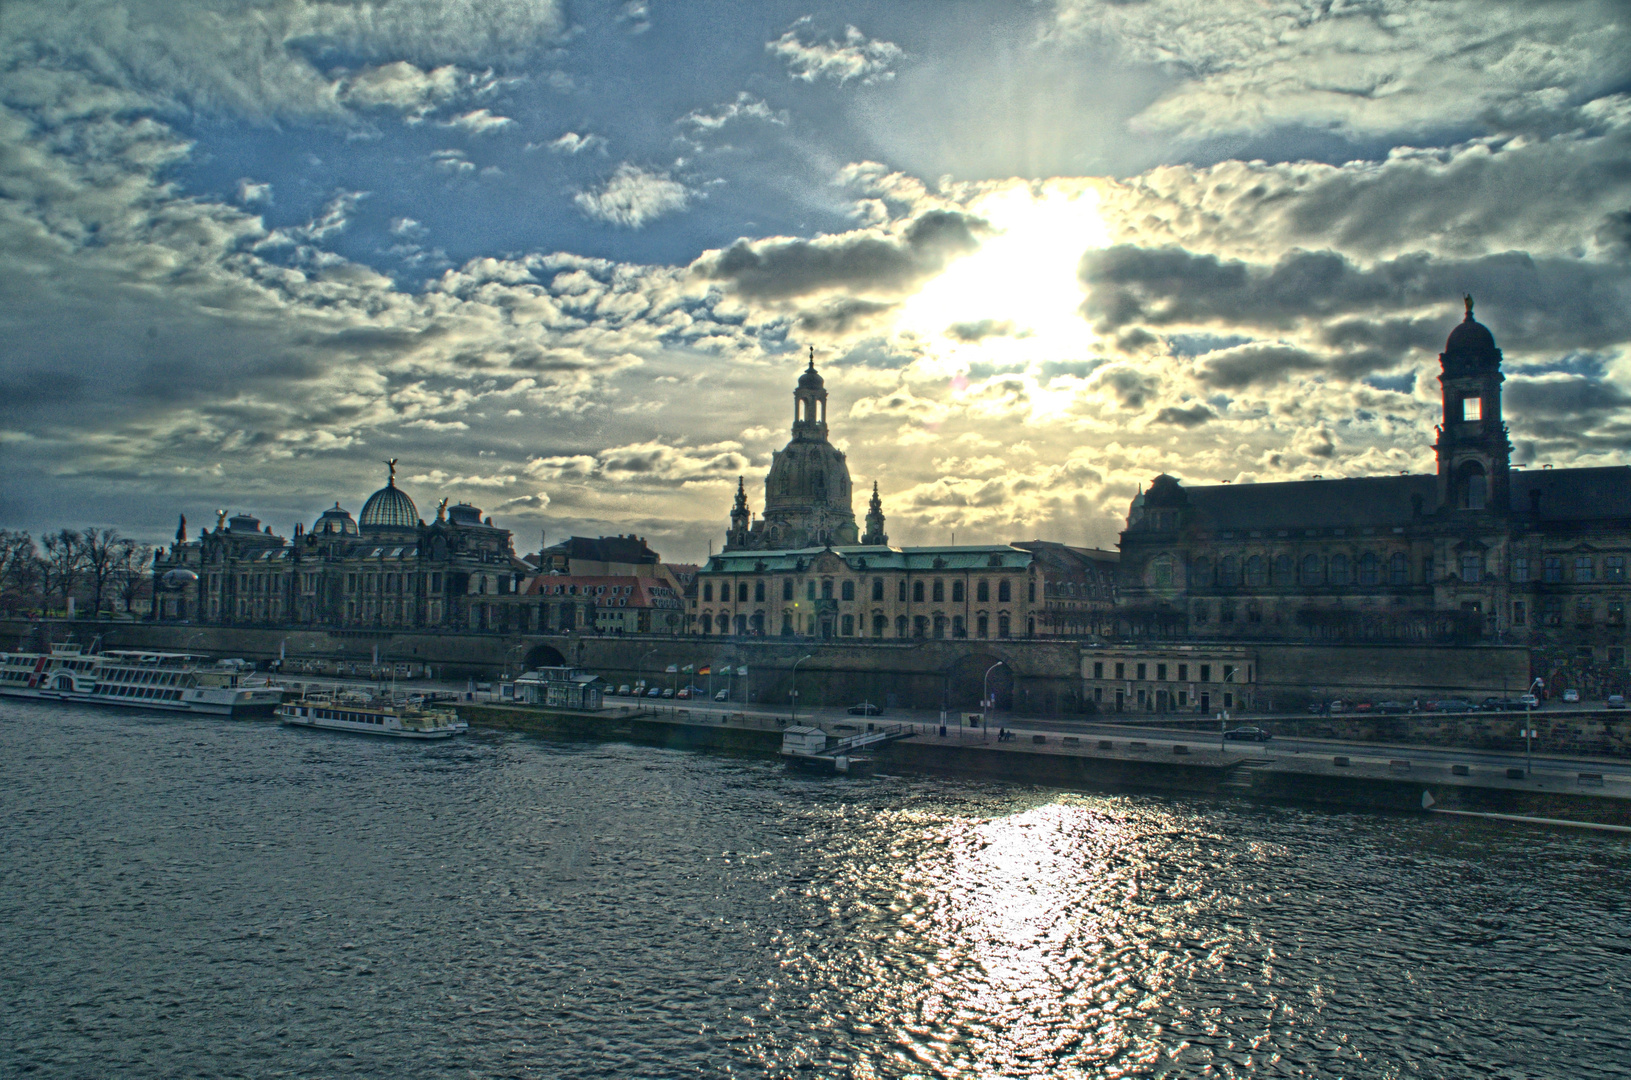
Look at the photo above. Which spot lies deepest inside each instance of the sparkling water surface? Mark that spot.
(194, 897)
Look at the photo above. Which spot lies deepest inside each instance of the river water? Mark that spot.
(186, 897)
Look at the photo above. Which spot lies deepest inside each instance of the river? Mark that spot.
(201, 898)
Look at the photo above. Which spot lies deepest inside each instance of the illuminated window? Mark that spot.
(1472, 408)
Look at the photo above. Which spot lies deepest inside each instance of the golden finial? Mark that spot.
(1467, 299)
(391, 480)
(441, 510)
(220, 519)
(812, 357)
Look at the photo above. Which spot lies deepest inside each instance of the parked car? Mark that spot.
(1451, 705)
(1393, 706)
(685, 692)
(1248, 734)
(623, 691)
(865, 708)
(1571, 695)
(668, 691)
(1615, 701)
(1528, 701)
(654, 692)
(1364, 706)
(1496, 704)
(723, 695)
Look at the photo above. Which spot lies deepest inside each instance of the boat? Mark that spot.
(174, 682)
(405, 718)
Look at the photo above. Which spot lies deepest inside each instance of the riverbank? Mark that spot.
(1075, 762)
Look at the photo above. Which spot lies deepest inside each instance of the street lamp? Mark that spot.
(642, 671)
(985, 698)
(794, 694)
(1529, 726)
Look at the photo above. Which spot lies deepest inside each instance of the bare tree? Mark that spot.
(133, 564)
(98, 560)
(19, 570)
(60, 569)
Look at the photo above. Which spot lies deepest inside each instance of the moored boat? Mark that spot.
(362, 714)
(174, 682)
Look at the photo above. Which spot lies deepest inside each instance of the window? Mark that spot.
(1551, 611)
(1552, 569)
(900, 589)
(1201, 613)
(1311, 570)
(1282, 571)
(1121, 671)
(917, 592)
(939, 590)
(758, 592)
(708, 591)
(1520, 568)
(958, 630)
(1339, 569)
(1616, 611)
(1160, 573)
(939, 627)
(1427, 570)
(847, 591)
(846, 625)
(1472, 409)
(1141, 672)
(1183, 672)
(787, 588)
(1398, 569)
(877, 588)
(1226, 611)
(809, 589)
(900, 626)
(1228, 673)
(1002, 624)
(1098, 669)
(1206, 673)
(826, 589)
(1256, 572)
(1160, 673)
(1582, 568)
(1520, 613)
(957, 592)
(1613, 567)
(1369, 569)
(982, 590)
(1583, 611)
(742, 592)
(920, 626)
(1472, 568)
(1228, 572)
(880, 625)
(982, 627)
(1004, 595)
(1200, 573)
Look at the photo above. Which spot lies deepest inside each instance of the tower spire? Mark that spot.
(874, 520)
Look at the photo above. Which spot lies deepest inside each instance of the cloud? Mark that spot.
(1194, 416)
(745, 107)
(979, 330)
(1361, 68)
(632, 196)
(573, 144)
(452, 161)
(480, 122)
(401, 86)
(651, 463)
(868, 259)
(250, 193)
(855, 57)
(841, 316)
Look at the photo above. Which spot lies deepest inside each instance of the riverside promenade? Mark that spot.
(1365, 777)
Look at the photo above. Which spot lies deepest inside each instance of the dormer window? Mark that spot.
(1472, 409)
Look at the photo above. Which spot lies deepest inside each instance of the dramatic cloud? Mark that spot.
(632, 196)
(572, 143)
(745, 107)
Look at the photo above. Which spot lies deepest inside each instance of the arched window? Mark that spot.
(1369, 569)
(1398, 569)
(742, 592)
(880, 626)
(917, 592)
(708, 592)
(1161, 573)
(724, 623)
(1228, 572)
(877, 588)
(847, 592)
(847, 625)
(758, 592)
(982, 591)
(741, 624)
(1200, 573)
(920, 626)
(982, 626)
(957, 592)
(826, 588)
(1005, 593)
(1474, 486)
(958, 630)
(1311, 570)
(900, 626)
(939, 590)
(1256, 572)
(1283, 571)
(1002, 625)
(1339, 569)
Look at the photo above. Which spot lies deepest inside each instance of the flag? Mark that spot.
(705, 670)
(742, 670)
(672, 669)
(688, 668)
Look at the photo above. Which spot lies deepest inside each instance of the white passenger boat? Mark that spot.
(405, 719)
(175, 682)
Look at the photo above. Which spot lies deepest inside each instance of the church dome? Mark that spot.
(811, 379)
(389, 507)
(1470, 348)
(334, 522)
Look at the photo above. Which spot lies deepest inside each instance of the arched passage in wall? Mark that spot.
(544, 656)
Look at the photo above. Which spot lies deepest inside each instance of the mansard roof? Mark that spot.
(874, 557)
(1574, 494)
(612, 549)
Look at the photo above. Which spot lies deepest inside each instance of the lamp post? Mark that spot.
(794, 693)
(1529, 726)
(985, 698)
(641, 673)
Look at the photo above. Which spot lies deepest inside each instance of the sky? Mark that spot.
(565, 260)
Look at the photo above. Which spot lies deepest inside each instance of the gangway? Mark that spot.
(812, 746)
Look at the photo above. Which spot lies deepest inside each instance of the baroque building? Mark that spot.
(386, 569)
(1480, 550)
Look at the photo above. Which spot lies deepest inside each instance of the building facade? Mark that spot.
(386, 569)
(1481, 550)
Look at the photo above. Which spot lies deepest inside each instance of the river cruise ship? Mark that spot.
(175, 682)
(364, 715)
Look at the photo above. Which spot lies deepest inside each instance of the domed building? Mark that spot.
(808, 497)
(388, 508)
